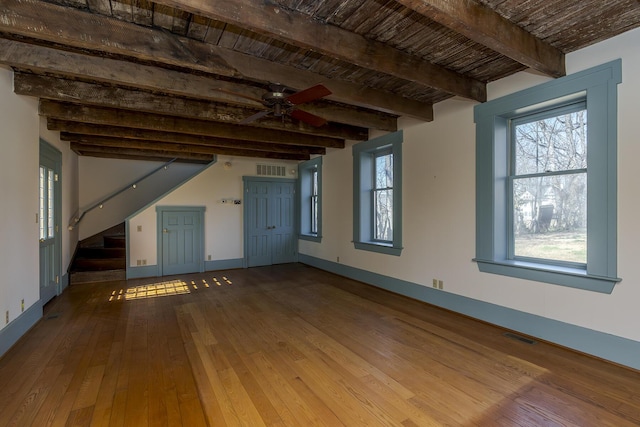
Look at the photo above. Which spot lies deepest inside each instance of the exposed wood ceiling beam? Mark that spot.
(40, 59)
(134, 119)
(48, 23)
(127, 153)
(88, 143)
(300, 30)
(262, 70)
(84, 151)
(113, 97)
(485, 26)
(66, 26)
(190, 142)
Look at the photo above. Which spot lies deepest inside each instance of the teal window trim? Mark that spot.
(598, 86)
(363, 184)
(305, 174)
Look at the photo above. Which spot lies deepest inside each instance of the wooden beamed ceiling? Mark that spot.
(174, 78)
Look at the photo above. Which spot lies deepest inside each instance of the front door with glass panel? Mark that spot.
(49, 221)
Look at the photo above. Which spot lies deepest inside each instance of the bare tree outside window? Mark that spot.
(549, 187)
(383, 196)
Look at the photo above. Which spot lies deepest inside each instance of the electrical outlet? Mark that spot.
(139, 262)
(440, 284)
(337, 259)
(22, 305)
(6, 318)
(144, 262)
(139, 228)
(435, 283)
(209, 258)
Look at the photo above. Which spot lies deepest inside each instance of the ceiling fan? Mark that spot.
(280, 103)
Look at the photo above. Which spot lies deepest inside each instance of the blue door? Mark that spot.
(49, 221)
(269, 222)
(181, 241)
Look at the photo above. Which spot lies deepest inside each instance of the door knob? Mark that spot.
(41, 240)
(164, 230)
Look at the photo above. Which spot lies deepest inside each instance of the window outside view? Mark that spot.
(383, 197)
(549, 188)
(314, 202)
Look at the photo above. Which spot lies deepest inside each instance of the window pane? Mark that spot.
(314, 202)
(553, 144)
(383, 201)
(384, 171)
(43, 203)
(50, 180)
(550, 217)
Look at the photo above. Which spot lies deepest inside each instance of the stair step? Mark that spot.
(101, 253)
(99, 264)
(80, 277)
(115, 242)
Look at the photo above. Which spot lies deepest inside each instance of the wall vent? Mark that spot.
(519, 338)
(271, 170)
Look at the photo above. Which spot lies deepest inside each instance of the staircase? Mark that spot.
(100, 258)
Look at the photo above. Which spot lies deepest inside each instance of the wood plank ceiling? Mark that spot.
(175, 78)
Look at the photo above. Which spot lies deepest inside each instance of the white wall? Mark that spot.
(223, 225)
(19, 195)
(19, 249)
(101, 178)
(439, 208)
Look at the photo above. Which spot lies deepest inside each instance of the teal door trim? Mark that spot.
(252, 180)
(199, 233)
(50, 258)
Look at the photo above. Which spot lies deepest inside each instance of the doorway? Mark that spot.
(50, 180)
(269, 221)
(180, 239)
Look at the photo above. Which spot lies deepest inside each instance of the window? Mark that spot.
(383, 196)
(314, 201)
(548, 186)
(377, 189)
(310, 173)
(47, 187)
(546, 181)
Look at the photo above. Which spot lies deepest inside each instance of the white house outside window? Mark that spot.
(548, 185)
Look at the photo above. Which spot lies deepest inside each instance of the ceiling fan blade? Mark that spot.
(254, 117)
(309, 118)
(309, 94)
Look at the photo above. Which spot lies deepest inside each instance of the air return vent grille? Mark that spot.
(271, 170)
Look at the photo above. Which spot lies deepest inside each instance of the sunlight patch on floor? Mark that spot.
(162, 289)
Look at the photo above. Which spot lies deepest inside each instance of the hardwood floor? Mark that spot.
(291, 346)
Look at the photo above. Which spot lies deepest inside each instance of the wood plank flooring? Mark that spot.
(291, 345)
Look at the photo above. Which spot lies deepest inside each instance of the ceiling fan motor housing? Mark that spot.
(278, 101)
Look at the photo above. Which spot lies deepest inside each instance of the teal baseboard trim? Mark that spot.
(616, 349)
(143, 271)
(223, 264)
(11, 333)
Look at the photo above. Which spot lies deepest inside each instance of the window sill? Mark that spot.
(563, 276)
(378, 247)
(310, 237)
